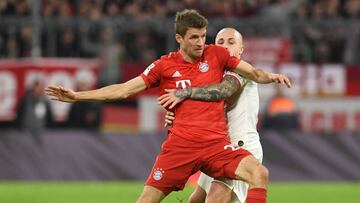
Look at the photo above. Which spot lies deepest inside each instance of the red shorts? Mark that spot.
(180, 158)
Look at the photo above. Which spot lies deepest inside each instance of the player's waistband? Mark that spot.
(198, 137)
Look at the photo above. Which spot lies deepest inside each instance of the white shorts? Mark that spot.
(239, 187)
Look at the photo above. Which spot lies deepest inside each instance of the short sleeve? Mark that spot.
(230, 62)
(152, 74)
(238, 77)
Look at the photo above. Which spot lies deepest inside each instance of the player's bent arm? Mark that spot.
(248, 71)
(113, 92)
(225, 89)
(260, 76)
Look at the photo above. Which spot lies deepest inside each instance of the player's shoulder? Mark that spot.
(168, 59)
(213, 47)
(172, 56)
(164, 59)
(215, 50)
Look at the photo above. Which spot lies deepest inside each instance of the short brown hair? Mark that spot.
(189, 18)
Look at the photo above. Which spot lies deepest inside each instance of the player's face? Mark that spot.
(231, 40)
(193, 43)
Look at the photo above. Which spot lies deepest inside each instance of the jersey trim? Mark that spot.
(239, 78)
(146, 81)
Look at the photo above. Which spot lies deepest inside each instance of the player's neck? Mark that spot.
(187, 58)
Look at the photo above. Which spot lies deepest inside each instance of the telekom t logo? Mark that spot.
(184, 83)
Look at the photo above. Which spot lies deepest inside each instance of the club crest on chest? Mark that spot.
(203, 67)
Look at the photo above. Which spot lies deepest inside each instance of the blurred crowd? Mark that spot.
(319, 28)
(141, 8)
(330, 42)
(34, 113)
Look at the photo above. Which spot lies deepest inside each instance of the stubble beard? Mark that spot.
(195, 54)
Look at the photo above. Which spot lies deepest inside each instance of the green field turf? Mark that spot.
(124, 192)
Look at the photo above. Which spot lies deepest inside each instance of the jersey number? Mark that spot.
(233, 148)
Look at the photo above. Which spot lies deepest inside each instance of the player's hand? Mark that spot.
(59, 93)
(169, 118)
(169, 99)
(280, 78)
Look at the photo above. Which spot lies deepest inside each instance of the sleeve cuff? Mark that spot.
(146, 81)
(238, 78)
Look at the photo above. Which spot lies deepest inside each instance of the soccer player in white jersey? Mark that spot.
(242, 116)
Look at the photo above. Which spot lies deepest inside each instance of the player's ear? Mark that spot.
(241, 50)
(178, 38)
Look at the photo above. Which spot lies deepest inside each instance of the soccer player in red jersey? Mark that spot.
(198, 139)
(242, 107)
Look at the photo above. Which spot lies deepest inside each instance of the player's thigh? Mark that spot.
(222, 159)
(176, 162)
(198, 196)
(151, 195)
(246, 167)
(205, 181)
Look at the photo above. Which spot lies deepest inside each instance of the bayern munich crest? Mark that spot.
(203, 67)
(158, 173)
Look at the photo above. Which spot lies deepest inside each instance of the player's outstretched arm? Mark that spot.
(260, 76)
(216, 92)
(108, 93)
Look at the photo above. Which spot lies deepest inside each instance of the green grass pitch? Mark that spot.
(127, 192)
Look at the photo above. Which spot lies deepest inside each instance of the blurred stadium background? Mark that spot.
(54, 152)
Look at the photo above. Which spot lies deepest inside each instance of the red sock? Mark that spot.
(256, 195)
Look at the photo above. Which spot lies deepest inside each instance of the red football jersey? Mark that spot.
(194, 120)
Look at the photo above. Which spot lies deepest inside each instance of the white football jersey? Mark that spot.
(242, 111)
(242, 116)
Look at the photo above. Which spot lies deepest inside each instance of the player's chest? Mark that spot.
(197, 74)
